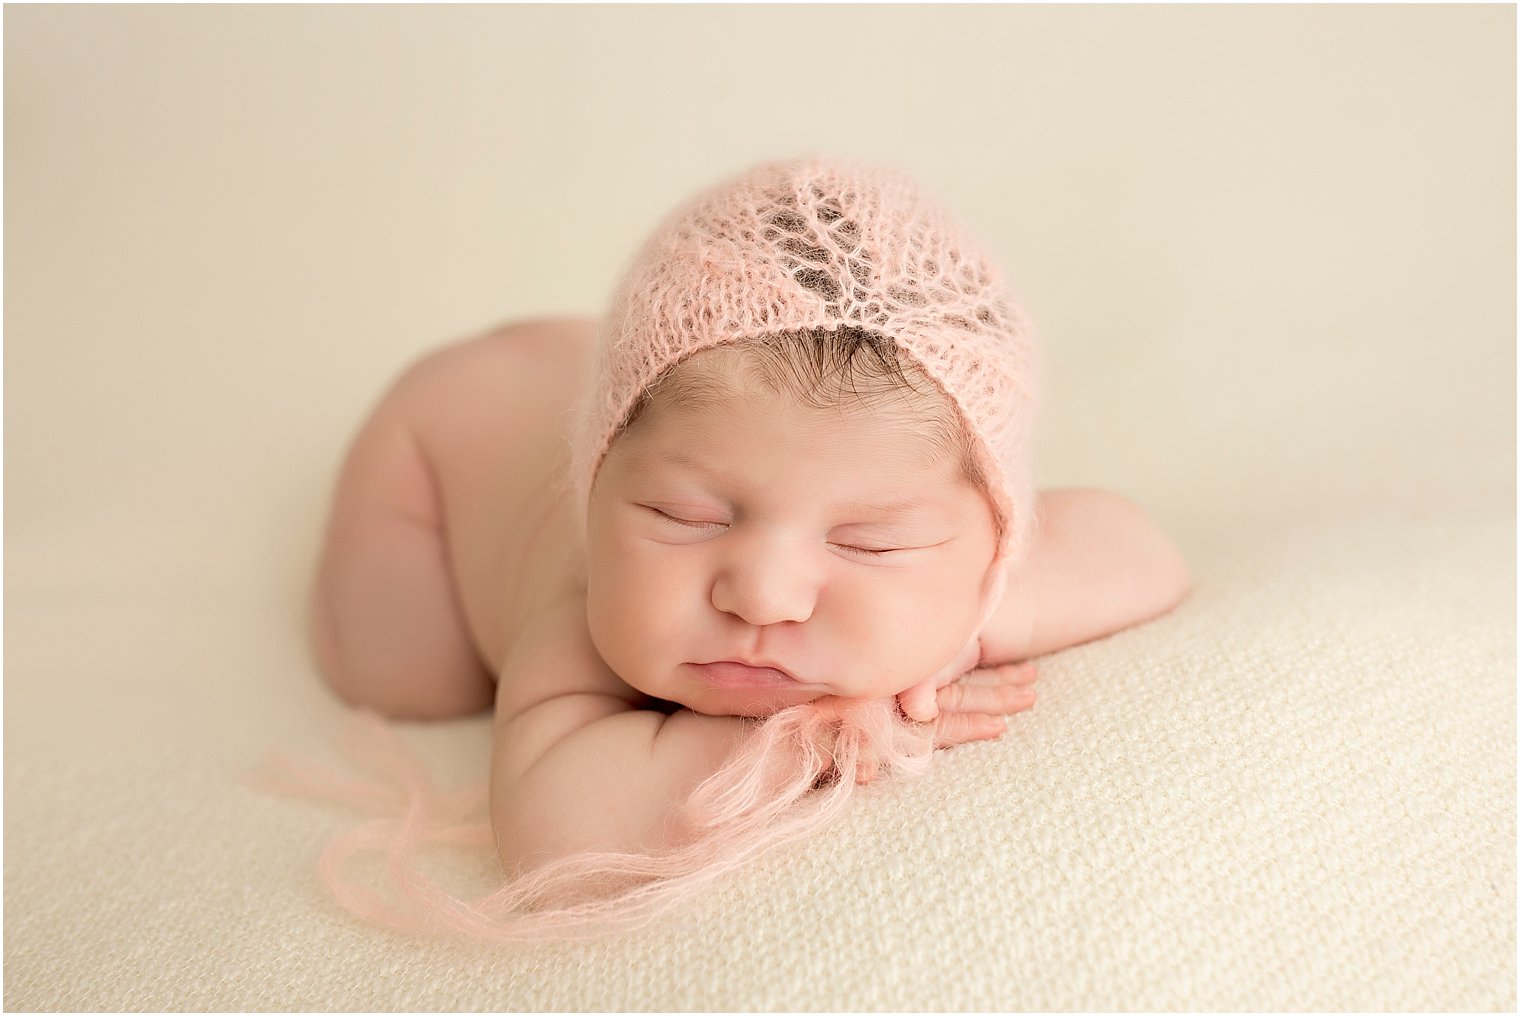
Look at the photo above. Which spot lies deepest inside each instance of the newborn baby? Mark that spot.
(790, 466)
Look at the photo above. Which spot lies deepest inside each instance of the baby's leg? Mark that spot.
(386, 624)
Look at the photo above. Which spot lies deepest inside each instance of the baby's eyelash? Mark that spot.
(866, 551)
(688, 523)
(710, 526)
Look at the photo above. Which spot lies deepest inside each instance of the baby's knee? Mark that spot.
(392, 684)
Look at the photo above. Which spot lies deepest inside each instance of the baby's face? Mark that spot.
(841, 547)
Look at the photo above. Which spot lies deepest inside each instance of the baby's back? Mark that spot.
(492, 416)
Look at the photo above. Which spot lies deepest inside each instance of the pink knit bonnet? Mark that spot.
(824, 243)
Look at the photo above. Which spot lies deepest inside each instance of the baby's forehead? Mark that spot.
(720, 409)
(713, 378)
(846, 389)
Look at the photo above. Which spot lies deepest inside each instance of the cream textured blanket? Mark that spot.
(1278, 302)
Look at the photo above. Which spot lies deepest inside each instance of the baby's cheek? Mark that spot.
(633, 617)
(613, 614)
(916, 633)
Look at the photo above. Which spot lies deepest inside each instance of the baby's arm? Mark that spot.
(1097, 565)
(581, 761)
(614, 784)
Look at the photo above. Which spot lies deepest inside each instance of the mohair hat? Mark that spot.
(822, 243)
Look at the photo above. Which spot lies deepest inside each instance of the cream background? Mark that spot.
(1272, 255)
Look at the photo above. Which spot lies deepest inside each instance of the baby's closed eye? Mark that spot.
(706, 525)
(862, 542)
(695, 522)
(870, 551)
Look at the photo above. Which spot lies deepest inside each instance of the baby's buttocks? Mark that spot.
(492, 415)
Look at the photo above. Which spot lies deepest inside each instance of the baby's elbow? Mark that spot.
(1151, 569)
(516, 849)
(531, 858)
(530, 851)
(1177, 580)
(1165, 572)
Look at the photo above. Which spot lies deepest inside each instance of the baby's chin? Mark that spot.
(755, 703)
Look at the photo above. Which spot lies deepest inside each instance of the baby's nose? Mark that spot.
(766, 585)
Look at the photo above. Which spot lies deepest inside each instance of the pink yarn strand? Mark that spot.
(795, 775)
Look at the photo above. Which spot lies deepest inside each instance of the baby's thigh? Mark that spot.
(384, 622)
(406, 611)
(490, 417)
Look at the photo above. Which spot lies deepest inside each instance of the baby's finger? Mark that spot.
(866, 769)
(958, 728)
(919, 702)
(992, 699)
(1023, 673)
(1006, 673)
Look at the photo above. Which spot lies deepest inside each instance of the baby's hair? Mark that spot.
(825, 369)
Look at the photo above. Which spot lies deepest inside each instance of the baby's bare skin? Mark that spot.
(458, 455)
(451, 575)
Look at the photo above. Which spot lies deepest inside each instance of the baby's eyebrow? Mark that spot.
(890, 509)
(681, 460)
(894, 510)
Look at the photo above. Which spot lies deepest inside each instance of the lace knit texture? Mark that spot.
(826, 243)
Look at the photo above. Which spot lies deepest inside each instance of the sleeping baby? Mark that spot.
(763, 532)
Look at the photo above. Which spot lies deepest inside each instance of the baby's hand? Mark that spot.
(921, 702)
(972, 708)
(928, 699)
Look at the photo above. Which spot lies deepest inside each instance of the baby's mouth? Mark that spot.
(733, 674)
